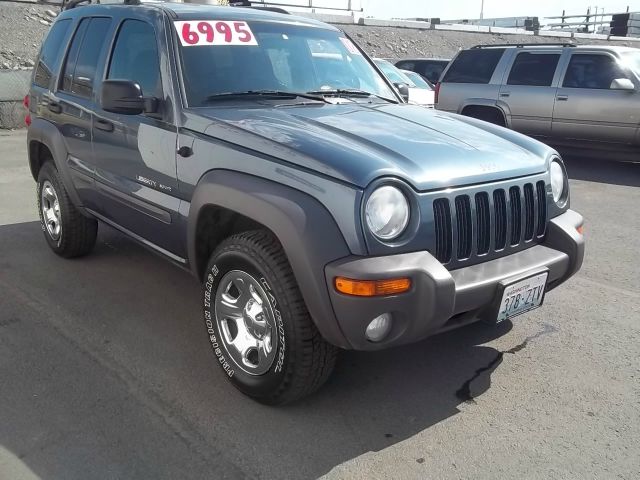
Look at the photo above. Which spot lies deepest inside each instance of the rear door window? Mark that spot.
(474, 66)
(83, 56)
(51, 52)
(592, 71)
(534, 69)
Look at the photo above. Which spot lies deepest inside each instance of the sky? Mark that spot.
(460, 9)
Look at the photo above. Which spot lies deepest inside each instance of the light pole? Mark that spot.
(481, 9)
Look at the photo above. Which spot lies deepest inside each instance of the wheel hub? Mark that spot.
(246, 322)
(50, 207)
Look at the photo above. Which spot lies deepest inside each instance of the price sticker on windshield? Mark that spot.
(351, 48)
(214, 32)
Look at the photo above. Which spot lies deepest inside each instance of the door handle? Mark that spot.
(562, 98)
(54, 107)
(505, 94)
(105, 125)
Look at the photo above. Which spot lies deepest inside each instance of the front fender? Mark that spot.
(308, 233)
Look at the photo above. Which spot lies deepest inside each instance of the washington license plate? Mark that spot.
(521, 296)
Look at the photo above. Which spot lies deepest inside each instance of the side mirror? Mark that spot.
(622, 84)
(125, 97)
(403, 90)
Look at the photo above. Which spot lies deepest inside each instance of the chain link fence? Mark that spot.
(14, 85)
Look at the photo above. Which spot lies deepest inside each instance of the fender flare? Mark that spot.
(308, 233)
(46, 133)
(485, 102)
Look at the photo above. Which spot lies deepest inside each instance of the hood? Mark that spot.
(357, 144)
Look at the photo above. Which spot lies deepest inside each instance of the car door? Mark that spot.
(70, 104)
(135, 155)
(529, 91)
(588, 109)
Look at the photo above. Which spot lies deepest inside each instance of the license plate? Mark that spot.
(522, 296)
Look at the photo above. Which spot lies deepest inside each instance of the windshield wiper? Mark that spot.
(264, 93)
(349, 92)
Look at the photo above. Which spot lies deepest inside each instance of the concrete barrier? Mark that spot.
(374, 22)
(463, 28)
(554, 33)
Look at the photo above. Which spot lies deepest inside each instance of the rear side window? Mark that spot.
(82, 60)
(535, 69)
(135, 57)
(51, 52)
(474, 66)
(592, 71)
(406, 66)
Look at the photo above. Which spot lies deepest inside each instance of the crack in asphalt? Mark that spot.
(464, 392)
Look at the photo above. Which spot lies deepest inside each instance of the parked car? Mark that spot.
(428, 90)
(584, 98)
(416, 95)
(418, 80)
(428, 68)
(317, 216)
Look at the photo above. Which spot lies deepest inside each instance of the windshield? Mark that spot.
(269, 56)
(632, 61)
(417, 80)
(392, 73)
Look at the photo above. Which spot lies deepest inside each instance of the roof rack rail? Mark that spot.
(257, 6)
(521, 45)
(69, 4)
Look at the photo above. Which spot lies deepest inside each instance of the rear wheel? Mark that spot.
(67, 231)
(260, 330)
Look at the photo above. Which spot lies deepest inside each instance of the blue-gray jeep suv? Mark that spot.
(268, 154)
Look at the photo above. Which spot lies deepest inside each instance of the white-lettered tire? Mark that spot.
(68, 232)
(257, 322)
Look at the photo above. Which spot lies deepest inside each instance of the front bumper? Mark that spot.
(440, 299)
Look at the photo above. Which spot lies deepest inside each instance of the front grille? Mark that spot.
(489, 221)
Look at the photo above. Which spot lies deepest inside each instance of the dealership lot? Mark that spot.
(105, 373)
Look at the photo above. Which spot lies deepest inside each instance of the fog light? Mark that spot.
(379, 327)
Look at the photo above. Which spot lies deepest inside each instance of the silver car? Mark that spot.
(586, 98)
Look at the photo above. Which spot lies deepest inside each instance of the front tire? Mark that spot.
(257, 322)
(68, 232)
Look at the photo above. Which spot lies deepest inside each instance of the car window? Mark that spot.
(592, 71)
(135, 57)
(535, 69)
(632, 61)
(51, 52)
(474, 66)
(72, 55)
(82, 59)
(392, 73)
(289, 57)
(417, 80)
(406, 65)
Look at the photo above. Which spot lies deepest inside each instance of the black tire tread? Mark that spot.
(313, 358)
(79, 232)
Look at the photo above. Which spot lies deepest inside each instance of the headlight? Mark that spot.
(387, 212)
(558, 181)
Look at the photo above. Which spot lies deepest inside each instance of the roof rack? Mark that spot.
(69, 4)
(257, 6)
(522, 45)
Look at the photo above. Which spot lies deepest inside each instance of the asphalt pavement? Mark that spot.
(105, 371)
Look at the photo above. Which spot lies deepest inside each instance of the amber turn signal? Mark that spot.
(372, 288)
(580, 229)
